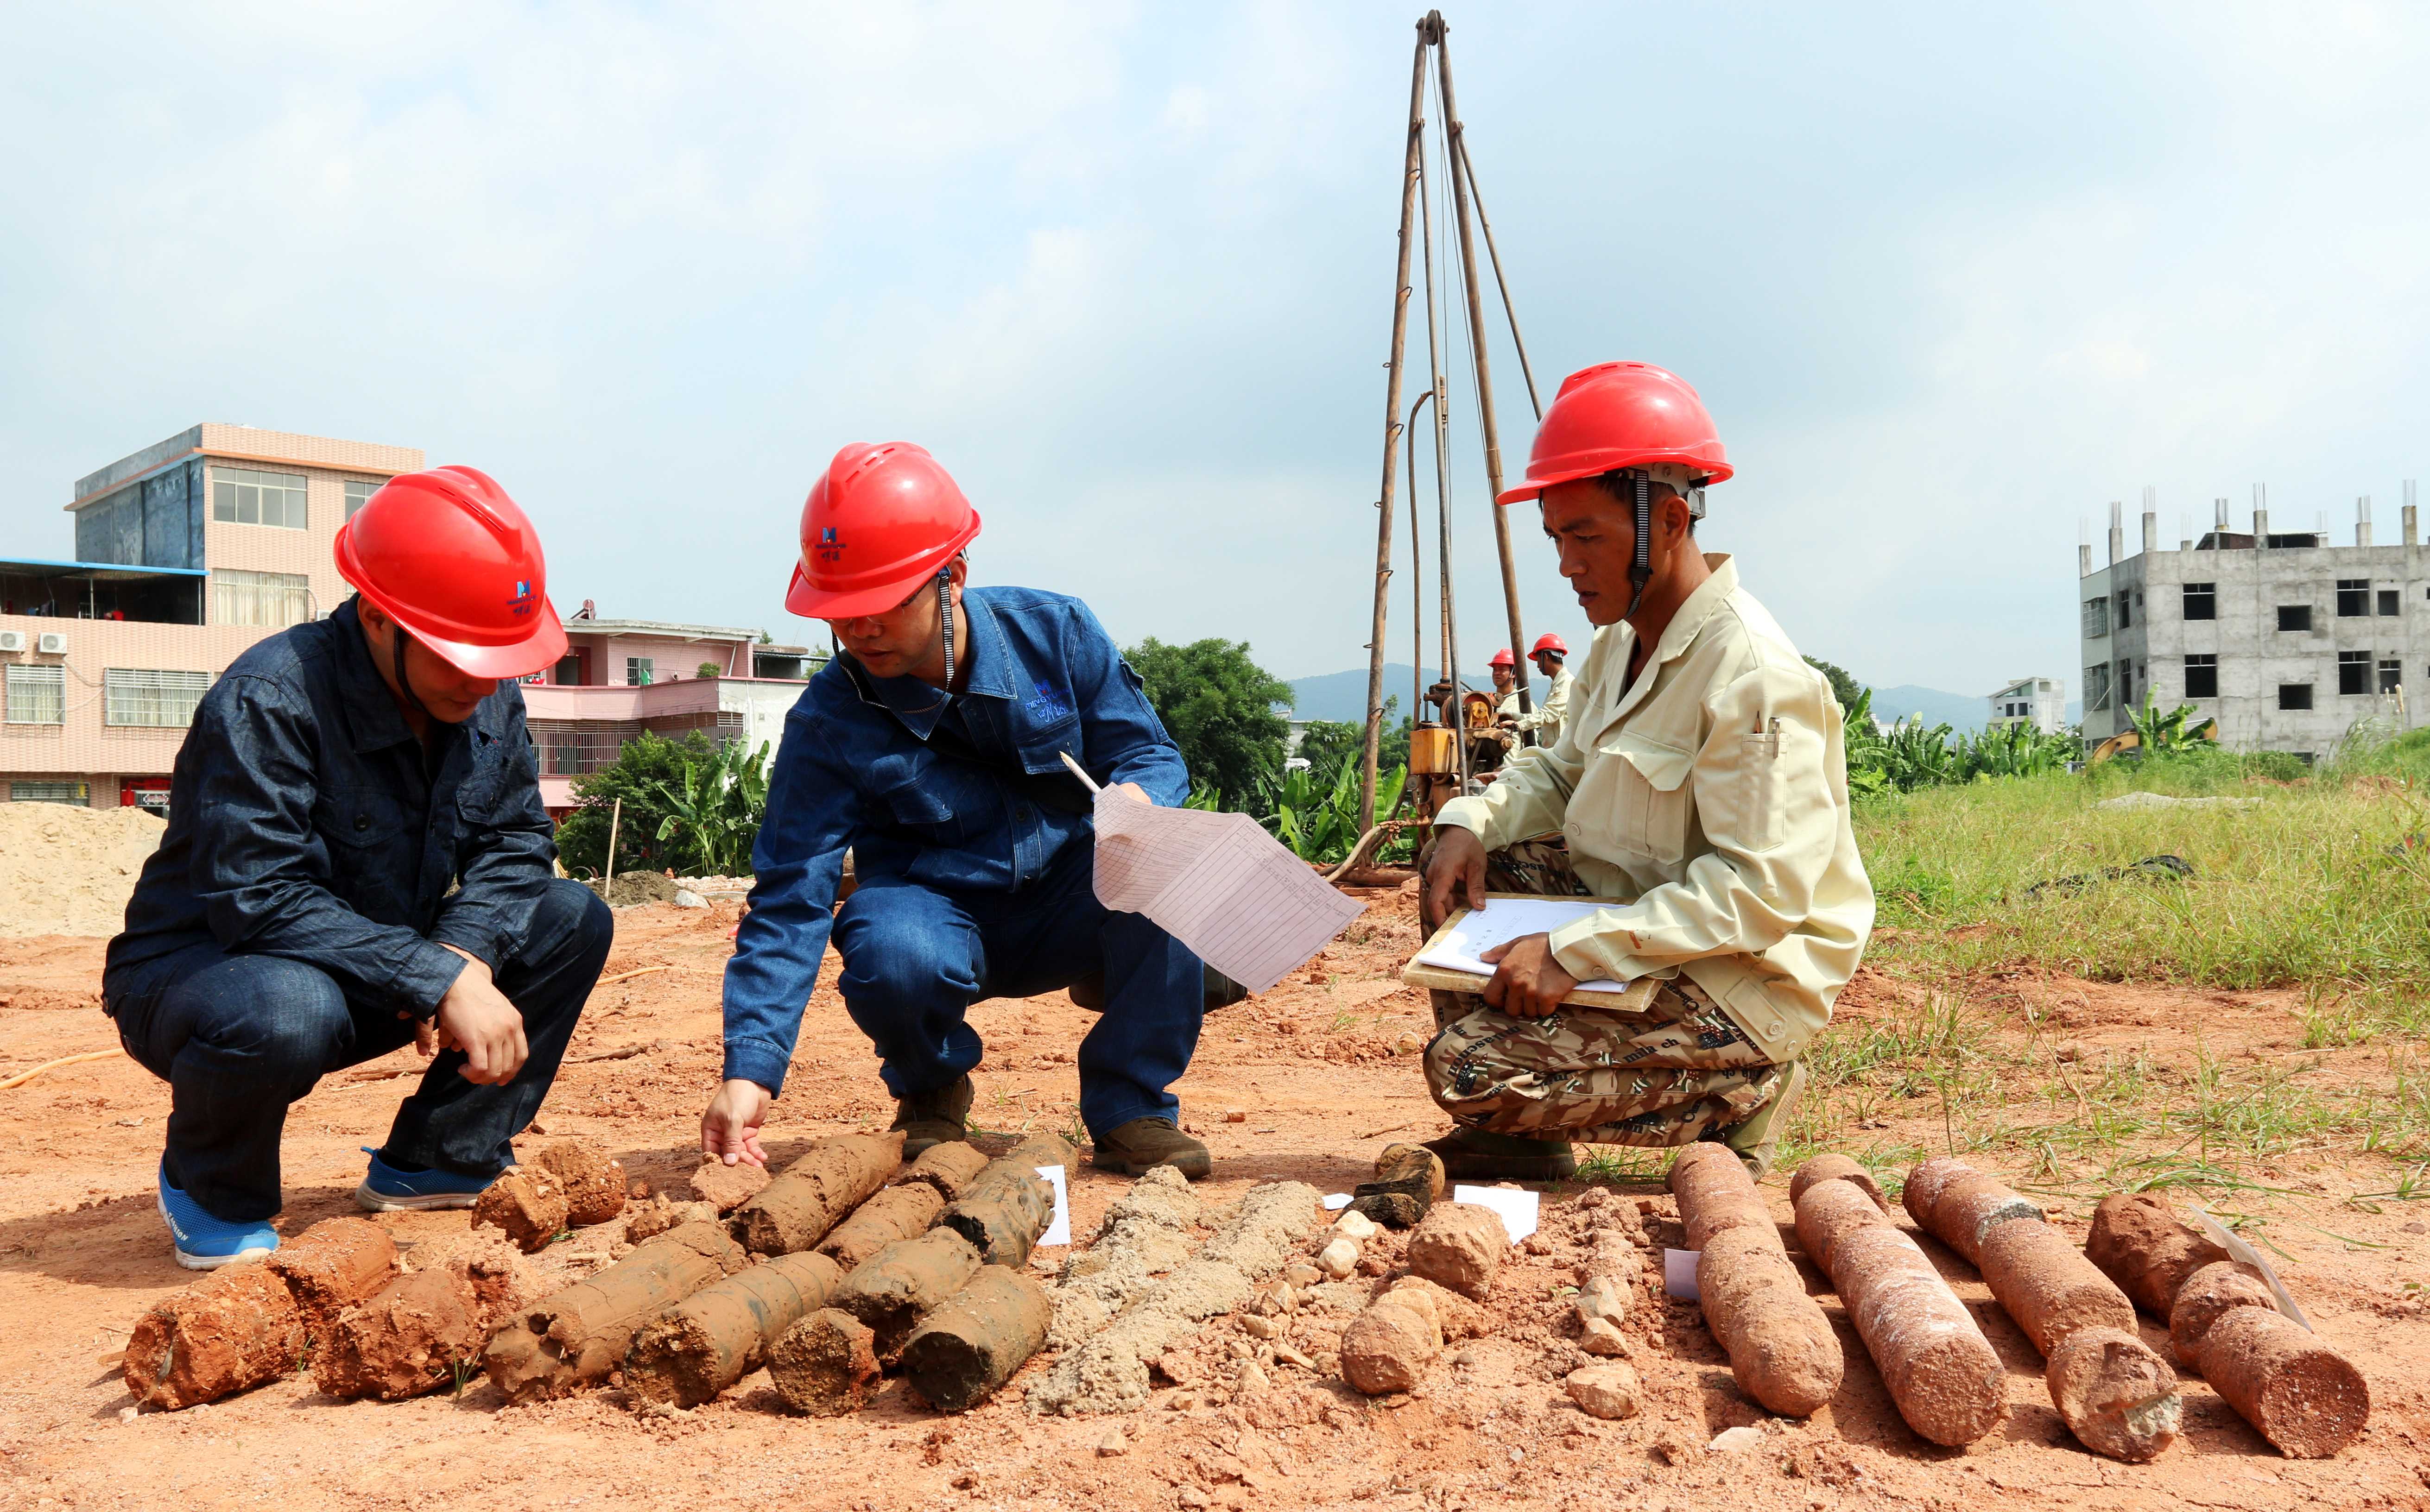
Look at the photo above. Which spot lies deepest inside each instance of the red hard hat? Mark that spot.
(1620, 414)
(1549, 641)
(1503, 659)
(446, 554)
(878, 522)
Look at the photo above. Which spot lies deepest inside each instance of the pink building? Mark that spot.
(189, 552)
(623, 676)
(186, 554)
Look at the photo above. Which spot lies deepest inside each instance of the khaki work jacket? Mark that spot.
(1548, 715)
(1712, 797)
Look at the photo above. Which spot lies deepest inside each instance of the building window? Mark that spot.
(2294, 617)
(2125, 611)
(2354, 597)
(569, 671)
(2388, 602)
(2096, 688)
(359, 493)
(79, 793)
(2126, 685)
(271, 600)
(2295, 696)
(2391, 672)
(157, 700)
(2096, 618)
(36, 694)
(244, 497)
(2202, 601)
(2202, 677)
(640, 671)
(2353, 672)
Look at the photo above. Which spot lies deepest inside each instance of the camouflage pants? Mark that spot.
(1678, 1072)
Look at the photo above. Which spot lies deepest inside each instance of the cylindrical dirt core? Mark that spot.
(2301, 1394)
(2048, 1286)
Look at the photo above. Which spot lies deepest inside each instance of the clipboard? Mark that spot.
(1633, 998)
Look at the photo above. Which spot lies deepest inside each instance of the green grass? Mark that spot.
(2312, 884)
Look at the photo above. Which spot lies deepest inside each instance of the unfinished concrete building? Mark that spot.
(2287, 640)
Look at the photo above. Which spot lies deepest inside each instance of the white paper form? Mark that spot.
(1503, 919)
(1219, 884)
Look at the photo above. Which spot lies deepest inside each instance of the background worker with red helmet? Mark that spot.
(1699, 783)
(932, 749)
(339, 778)
(1549, 654)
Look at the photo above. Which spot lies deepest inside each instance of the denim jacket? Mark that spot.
(306, 822)
(858, 771)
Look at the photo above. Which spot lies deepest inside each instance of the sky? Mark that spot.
(1949, 278)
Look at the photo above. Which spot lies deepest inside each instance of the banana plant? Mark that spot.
(718, 807)
(2173, 731)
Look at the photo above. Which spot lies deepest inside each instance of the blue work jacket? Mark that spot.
(859, 770)
(308, 820)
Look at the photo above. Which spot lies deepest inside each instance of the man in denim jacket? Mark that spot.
(932, 749)
(357, 860)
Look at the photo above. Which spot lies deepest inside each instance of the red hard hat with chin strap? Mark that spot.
(1502, 658)
(880, 520)
(1625, 418)
(448, 556)
(1549, 641)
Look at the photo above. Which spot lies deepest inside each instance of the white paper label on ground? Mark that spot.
(1679, 1275)
(1503, 919)
(2228, 1240)
(1517, 1207)
(1336, 1200)
(1219, 884)
(1060, 1231)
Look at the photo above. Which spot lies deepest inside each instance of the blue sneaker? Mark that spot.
(204, 1243)
(387, 1189)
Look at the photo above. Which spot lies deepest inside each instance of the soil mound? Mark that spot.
(70, 871)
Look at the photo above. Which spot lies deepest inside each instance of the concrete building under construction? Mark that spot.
(2284, 640)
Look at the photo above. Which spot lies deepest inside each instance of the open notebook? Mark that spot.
(1459, 945)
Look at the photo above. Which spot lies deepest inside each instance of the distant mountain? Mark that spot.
(1961, 712)
(1342, 695)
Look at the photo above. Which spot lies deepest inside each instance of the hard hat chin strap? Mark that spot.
(1640, 568)
(404, 684)
(945, 617)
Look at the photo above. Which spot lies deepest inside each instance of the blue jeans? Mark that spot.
(915, 958)
(239, 1037)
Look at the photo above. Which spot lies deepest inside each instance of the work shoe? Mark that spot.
(1474, 1154)
(203, 1242)
(1756, 1136)
(937, 1116)
(1143, 1144)
(1216, 990)
(387, 1189)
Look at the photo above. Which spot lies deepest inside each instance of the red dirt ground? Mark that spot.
(82, 1254)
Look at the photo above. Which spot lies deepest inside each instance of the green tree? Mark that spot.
(1220, 707)
(1843, 687)
(648, 768)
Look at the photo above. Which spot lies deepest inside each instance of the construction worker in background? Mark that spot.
(1505, 684)
(1699, 784)
(1544, 720)
(932, 748)
(357, 860)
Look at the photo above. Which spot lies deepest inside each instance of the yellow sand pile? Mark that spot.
(68, 871)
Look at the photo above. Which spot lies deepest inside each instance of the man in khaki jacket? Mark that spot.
(1550, 655)
(1699, 782)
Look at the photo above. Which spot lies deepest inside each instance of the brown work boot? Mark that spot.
(1474, 1154)
(1143, 1144)
(937, 1116)
(1757, 1138)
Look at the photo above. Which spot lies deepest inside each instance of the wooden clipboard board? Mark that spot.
(1631, 999)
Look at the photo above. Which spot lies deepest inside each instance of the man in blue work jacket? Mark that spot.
(931, 748)
(357, 860)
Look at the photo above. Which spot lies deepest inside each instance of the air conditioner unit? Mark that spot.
(52, 643)
(12, 640)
